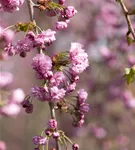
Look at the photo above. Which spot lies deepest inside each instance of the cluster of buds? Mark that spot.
(41, 40)
(82, 107)
(27, 105)
(52, 132)
(63, 13)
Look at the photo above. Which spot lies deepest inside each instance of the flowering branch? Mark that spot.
(51, 105)
(127, 14)
(56, 84)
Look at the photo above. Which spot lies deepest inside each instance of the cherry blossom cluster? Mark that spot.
(63, 12)
(41, 40)
(59, 74)
(57, 84)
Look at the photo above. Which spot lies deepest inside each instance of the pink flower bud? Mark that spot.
(25, 103)
(48, 132)
(60, 25)
(52, 124)
(82, 96)
(29, 109)
(70, 11)
(75, 147)
(62, 2)
(39, 140)
(56, 134)
(80, 123)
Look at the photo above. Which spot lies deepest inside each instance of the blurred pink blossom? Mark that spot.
(6, 79)
(10, 109)
(17, 96)
(2, 145)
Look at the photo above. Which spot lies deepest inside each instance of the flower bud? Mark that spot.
(39, 140)
(52, 124)
(60, 25)
(75, 147)
(29, 109)
(62, 2)
(48, 132)
(70, 11)
(56, 134)
(25, 104)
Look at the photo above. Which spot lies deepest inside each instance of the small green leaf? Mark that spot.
(130, 40)
(53, 5)
(25, 26)
(129, 75)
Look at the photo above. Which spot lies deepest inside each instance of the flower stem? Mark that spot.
(32, 18)
(53, 116)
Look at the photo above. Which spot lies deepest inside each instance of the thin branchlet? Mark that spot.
(127, 16)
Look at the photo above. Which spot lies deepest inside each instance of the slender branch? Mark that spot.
(126, 13)
(52, 110)
(53, 116)
(51, 105)
(32, 18)
(31, 10)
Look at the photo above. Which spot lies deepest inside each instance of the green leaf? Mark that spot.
(130, 40)
(53, 5)
(129, 75)
(25, 26)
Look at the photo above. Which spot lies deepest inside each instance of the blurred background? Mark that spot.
(110, 124)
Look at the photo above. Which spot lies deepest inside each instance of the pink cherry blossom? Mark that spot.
(42, 64)
(57, 78)
(70, 11)
(57, 94)
(78, 58)
(11, 5)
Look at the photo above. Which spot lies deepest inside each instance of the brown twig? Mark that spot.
(127, 16)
